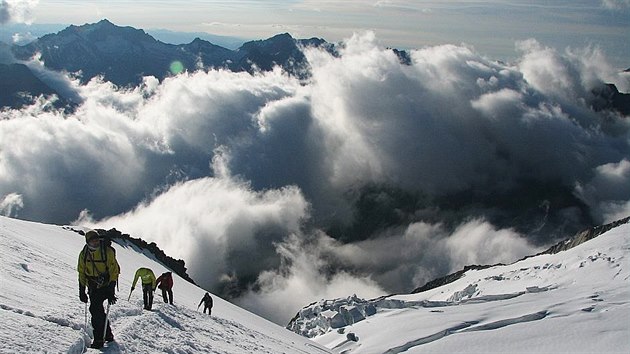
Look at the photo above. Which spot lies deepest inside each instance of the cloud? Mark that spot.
(301, 279)
(5, 16)
(608, 192)
(616, 4)
(221, 226)
(478, 242)
(67, 87)
(17, 11)
(318, 267)
(259, 180)
(421, 252)
(10, 204)
(570, 75)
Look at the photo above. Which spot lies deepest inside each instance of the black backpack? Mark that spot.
(105, 243)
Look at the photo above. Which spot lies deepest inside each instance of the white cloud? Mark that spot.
(218, 225)
(435, 126)
(315, 268)
(608, 192)
(302, 279)
(217, 166)
(23, 38)
(478, 242)
(616, 4)
(10, 204)
(17, 11)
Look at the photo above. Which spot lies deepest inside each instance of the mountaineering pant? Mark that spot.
(209, 308)
(170, 295)
(147, 296)
(97, 296)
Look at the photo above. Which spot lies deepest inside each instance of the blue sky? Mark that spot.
(492, 27)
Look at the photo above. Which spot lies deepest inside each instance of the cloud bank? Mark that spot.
(17, 11)
(616, 4)
(372, 177)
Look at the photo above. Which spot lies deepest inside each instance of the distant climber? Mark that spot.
(165, 283)
(148, 286)
(207, 303)
(98, 271)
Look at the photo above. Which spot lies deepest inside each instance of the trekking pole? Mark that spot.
(85, 324)
(130, 291)
(85, 327)
(106, 320)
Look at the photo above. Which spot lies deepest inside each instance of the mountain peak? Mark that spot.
(95, 31)
(105, 22)
(92, 47)
(284, 35)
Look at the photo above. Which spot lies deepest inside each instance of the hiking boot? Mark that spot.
(109, 338)
(97, 344)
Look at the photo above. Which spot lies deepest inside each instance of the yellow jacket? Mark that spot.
(147, 277)
(96, 270)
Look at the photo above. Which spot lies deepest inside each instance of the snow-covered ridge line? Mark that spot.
(178, 266)
(325, 316)
(564, 245)
(582, 237)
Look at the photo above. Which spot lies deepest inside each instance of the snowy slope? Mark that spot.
(575, 301)
(40, 310)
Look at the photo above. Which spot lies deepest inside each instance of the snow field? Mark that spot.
(40, 311)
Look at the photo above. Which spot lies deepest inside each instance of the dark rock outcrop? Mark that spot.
(608, 97)
(178, 266)
(583, 236)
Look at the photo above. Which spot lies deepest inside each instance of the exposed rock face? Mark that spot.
(18, 86)
(448, 278)
(608, 97)
(584, 236)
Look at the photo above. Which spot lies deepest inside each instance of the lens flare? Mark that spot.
(176, 67)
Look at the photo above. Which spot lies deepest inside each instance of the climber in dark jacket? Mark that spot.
(207, 303)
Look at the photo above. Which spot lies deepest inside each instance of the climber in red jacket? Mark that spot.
(165, 282)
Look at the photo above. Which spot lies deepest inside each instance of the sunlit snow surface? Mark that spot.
(571, 302)
(576, 301)
(40, 309)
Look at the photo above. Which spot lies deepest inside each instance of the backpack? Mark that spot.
(165, 280)
(105, 243)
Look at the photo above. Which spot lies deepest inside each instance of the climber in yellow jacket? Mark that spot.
(148, 286)
(98, 272)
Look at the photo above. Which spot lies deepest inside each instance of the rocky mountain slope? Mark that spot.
(123, 55)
